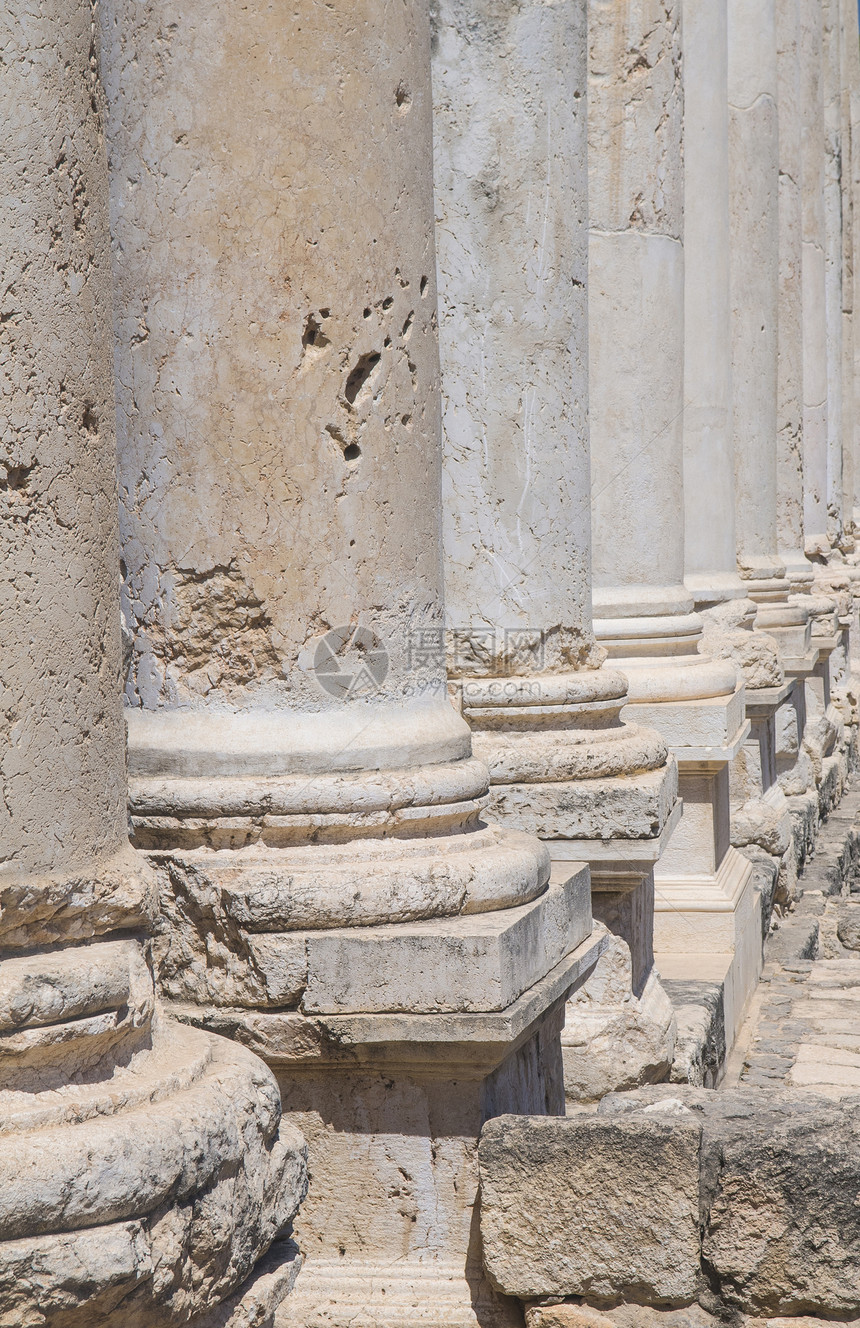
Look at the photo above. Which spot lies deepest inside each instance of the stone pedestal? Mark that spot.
(298, 777)
(707, 919)
(393, 1108)
(145, 1168)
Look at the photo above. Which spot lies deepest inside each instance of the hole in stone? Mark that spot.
(402, 95)
(15, 478)
(325, 313)
(367, 313)
(408, 324)
(351, 453)
(387, 341)
(360, 374)
(90, 419)
(423, 286)
(388, 301)
(405, 419)
(313, 334)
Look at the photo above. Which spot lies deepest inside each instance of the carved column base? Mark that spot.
(709, 929)
(392, 1106)
(144, 1167)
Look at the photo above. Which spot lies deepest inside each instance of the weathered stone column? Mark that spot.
(510, 112)
(832, 91)
(330, 891)
(643, 611)
(710, 564)
(851, 176)
(814, 297)
(790, 376)
(142, 1172)
(754, 204)
(849, 59)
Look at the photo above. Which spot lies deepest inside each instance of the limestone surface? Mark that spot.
(614, 1039)
(577, 1206)
(780, 1232)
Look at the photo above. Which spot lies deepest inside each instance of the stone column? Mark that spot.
(511, 187)
(143, 1172)
(832, 90)
(709, 472)
(814, 299)
(849, 59)
(330, 891)
(643, 611)
(852, 183)
(790, 379)
(754, 275)
(710, 565)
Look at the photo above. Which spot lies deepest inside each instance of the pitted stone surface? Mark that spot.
(593, 1207)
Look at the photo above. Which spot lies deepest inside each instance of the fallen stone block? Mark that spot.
(793, 940)
(780, 1187)
(601, 1207)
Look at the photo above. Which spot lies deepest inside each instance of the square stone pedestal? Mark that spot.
(452, 1021)
(705, 903)
(392, 1107)
(754, 769)
(622, 886)
(707, 913)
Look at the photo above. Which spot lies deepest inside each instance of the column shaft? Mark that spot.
(832, 86)
(709, 475)
(330, 892)
(814, 286)
(511, 190)
(122, 1136)
(754, 204)
(790, 536)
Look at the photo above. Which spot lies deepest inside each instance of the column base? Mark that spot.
(408, 1294)
(144, 1200)
(709, 929)
(392, 1108)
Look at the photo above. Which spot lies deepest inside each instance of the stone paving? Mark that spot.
(803, 1025)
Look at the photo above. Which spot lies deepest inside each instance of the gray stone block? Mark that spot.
(780, 1180)
(592, 1207)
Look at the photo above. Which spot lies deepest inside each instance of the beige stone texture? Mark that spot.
(754, 279)
(614, 1039)
(287, 493)
(814, 300)
(790, 384)
(728, 633)
(636, 296)
(59, 815)
(509, 138)
(708, 470)
(582, 1207)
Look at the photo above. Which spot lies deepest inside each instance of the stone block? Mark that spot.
(848, 926)
(592, 1207)
(793, 940)
(480, 962)
(780, 1179)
